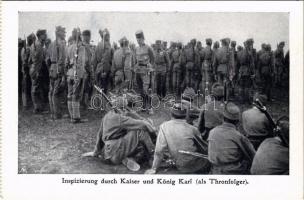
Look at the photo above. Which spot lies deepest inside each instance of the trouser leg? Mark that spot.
(145, 138)
(36, 93)
(76, 96)
(56, 94)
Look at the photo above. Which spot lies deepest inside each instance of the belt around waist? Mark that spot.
(53, 62)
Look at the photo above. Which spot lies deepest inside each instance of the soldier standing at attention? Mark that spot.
(122, 65)
(279, 64)
(57, 58)
(206, 65)
(144, 69)
(221, 61)
(176, 68)
(190, 61)
(103, 61)
(37, 58)
(245, 71)
(162, 64)
(265, 69)
(26, 64)
(88, 75)
(79, 61)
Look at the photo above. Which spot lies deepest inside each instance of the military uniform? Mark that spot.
(245, 71)
(121, 134)
(265, 68)
(279, 67)
(144, 60)
(26, 79)
(102, 65)
(176, 70)
(78, 58)
(206, 56)
(221, 62)
(57, 56)
(162, 64)
(37, 58)
(190, 59)
(211, 114)
(229, 151)
(122, 65)
(88, 75)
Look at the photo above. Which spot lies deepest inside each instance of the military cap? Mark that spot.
(178, 110)
(249, 41)
(193, 41)
(260, 97)
(268, 47)
(86, 33)
(224, 41)
(239, 48)
(179, 45)
(40, 32)
(123, 40)
(164, 42)
(216, 44)
(158, 42)
(139, 34)
(233, 43)
(217, 90)
(188, 94)
(264, 46)
(232, 111)
(31, 37)
(282, 43)
(60, 29)
(105, 31)
(208, 41)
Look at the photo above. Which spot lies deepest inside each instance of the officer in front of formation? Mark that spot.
(144, 61)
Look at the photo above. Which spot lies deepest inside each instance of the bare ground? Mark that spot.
(54, 147)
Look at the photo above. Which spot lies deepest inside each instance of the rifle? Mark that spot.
(107, 99)
(259, 105)
(199, 155)
(76, 54)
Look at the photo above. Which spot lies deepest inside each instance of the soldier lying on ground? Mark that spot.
(120, 134)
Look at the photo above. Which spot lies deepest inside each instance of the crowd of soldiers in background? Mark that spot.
(55, 71)
(45, 67)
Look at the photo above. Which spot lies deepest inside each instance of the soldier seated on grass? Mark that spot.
(177, 136)
(120, 135)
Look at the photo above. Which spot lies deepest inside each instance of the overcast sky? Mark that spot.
(172, 26)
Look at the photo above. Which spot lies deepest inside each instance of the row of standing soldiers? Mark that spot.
(57, 70)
